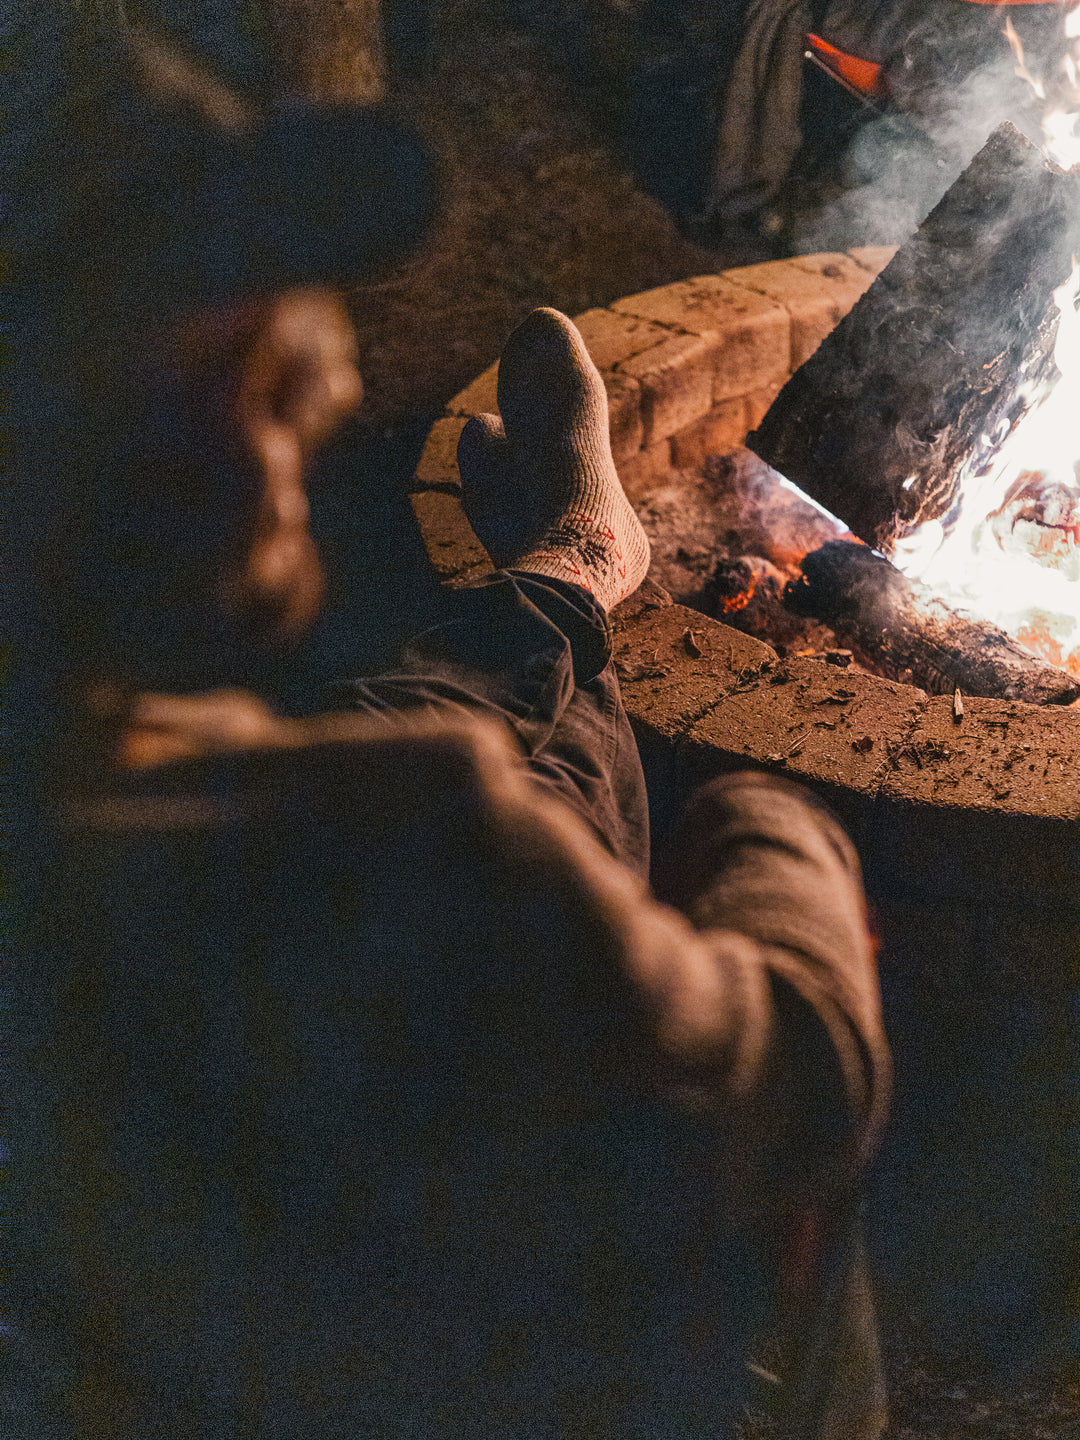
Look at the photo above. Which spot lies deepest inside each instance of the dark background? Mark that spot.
(573, 149)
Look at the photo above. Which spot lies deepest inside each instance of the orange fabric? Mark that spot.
(864, 75)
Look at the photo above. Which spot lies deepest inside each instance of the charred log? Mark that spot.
(923, 373)
(906, 631)
(747, 593)
(734, 583)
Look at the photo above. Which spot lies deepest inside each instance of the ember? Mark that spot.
(733, 584)
(750, 532)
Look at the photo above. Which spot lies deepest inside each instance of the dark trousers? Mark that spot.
(357, 1131)
(536, 653)
(751, 855)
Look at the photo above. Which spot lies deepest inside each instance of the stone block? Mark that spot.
(676, 379)
(1002, 756)
(666, 685)
(751, 333)
(753, 352)
(816, 290)
(625, 424)
(438, 459)
(479, 397)
(873, 257)
(611, 337)
(758, 402)
(648, 596)
(448, 537)
(642, 473)
(723, 427)
(815, 722)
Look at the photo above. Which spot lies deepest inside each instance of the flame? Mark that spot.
(1021, 64)
(1010, 550)
(1059, 91)
(740, 601)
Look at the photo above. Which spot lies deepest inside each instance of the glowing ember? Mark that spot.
(739, 602)
(1009, 551)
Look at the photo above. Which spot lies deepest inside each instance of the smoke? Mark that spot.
(950, 88)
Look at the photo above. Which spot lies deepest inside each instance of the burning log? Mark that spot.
(924, 373)
(1040, 520)
(747, 593)
(906, 630)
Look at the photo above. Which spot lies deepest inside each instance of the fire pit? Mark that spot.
(965, 822)
(938, 420)
(690, 368)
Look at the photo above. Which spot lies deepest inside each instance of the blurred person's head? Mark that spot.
(201, 352)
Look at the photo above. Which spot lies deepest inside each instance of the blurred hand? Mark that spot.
(163, 728)
(300, 373)
(273, 378)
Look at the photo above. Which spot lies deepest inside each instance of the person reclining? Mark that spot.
(377, 1092)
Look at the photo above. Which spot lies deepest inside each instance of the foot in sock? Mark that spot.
(540, 487)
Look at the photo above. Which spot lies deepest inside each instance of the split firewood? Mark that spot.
(923, 373)
(903, 629)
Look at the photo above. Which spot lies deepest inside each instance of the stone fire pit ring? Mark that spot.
(690, 368)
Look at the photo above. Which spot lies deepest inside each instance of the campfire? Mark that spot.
(939, 422)
(1010, 550)
(772, 564)
(912, 505)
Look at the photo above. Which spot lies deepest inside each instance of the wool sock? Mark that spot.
(539, 487)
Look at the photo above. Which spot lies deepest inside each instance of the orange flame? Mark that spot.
(1020, 69)
(740, 602)
(1010, 552)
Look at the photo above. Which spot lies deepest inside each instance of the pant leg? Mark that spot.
(758, 855)
(761, 857)
(535, 653)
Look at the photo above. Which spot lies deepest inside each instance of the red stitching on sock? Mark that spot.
(580, 578)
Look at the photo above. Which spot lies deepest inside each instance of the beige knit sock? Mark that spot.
(540, 487)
